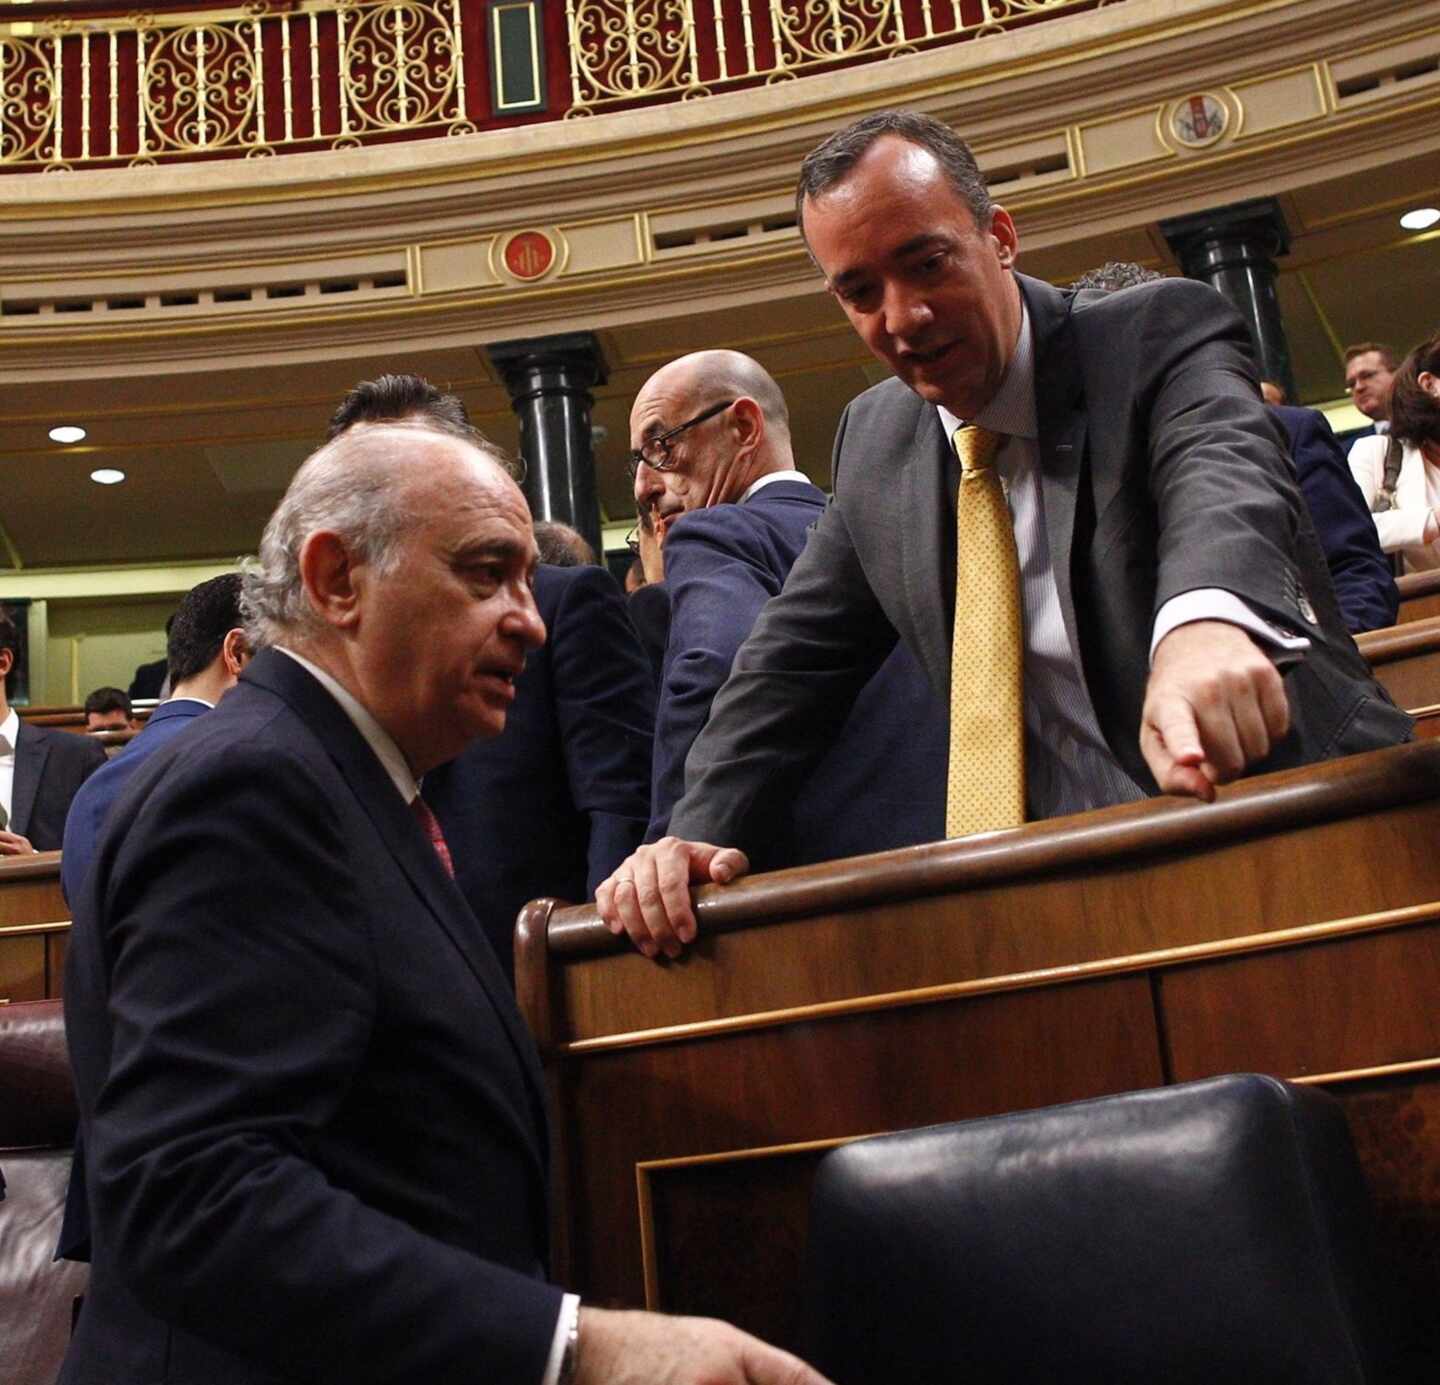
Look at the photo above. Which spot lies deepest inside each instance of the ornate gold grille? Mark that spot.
(628, 51)
(147, 87)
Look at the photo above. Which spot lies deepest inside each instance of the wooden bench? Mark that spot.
(1419, 595)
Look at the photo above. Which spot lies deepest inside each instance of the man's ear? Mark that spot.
(327, 572)
(1429, 382)
(746, 423)
(1006, 237)
(7, 662)
(234, 651)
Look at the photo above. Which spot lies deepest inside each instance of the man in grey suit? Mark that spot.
(1179, 628)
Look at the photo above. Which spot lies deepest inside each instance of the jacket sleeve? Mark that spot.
(1364, 586)
(605, 708)
(794, 683)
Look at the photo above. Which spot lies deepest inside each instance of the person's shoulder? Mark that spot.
(1369, 450)
(1159, 295)
(72, 747)
(883, 404)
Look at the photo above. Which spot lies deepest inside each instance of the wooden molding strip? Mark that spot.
(1016, 981)
(1367, 1074)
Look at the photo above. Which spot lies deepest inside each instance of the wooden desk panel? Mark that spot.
(1290, 928)
(34, 925)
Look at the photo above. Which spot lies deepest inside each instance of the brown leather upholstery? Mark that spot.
(37, 1129)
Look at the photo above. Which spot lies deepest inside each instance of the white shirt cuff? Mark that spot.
(564, 1324)
(1214, 603)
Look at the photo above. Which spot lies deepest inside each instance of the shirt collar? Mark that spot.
(376, 736)
(770, 478)
(9, 730)
(1012, 410)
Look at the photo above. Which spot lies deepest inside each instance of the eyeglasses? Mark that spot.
(655, 452)
(1362, 377)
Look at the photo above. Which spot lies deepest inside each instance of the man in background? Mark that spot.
(108, 709)
(1369, 370)
(40, 770)
(206, 651)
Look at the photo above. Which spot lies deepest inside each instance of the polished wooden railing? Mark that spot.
(1419, 595)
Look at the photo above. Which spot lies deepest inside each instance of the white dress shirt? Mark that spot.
(1069, 767)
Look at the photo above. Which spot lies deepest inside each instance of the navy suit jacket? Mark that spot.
(561, 797)
(50, 766)
(312, 1117)
(880, 785)
(91, 806)
(1364, 586)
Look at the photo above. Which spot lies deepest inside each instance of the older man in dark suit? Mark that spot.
(41, 770)
(313, 1120)
(1119, 601)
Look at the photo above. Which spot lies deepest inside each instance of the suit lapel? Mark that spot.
(414, 854)
(928, 558)
(1060, 417)
(31, 752)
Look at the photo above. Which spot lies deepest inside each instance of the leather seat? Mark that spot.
(1198, 1233)
(37, 1130)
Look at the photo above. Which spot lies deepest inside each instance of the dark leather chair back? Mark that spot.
(37, 1130)
(1198, 1233)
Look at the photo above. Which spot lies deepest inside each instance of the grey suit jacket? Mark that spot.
(1161, 472)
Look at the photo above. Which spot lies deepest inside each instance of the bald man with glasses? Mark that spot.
(715, 477)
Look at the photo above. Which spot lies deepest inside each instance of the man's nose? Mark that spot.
(524, 619)
(907, 313)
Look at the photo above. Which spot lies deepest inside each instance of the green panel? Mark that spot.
(516, 57)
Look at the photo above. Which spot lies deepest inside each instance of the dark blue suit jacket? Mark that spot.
(882, 783)
(91, 806)
(1364, 585)
(560, 798)
(313, 1119)
(50, 767)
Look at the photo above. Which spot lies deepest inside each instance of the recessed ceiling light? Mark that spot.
(107, 476)
(1421, 219)
(67, 432)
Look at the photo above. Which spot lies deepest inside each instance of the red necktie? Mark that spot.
(431, 824)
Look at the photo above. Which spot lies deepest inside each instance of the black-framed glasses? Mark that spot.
(655, 452)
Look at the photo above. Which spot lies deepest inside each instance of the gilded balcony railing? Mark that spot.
(150, 87)
(280, 75)
(629, 51)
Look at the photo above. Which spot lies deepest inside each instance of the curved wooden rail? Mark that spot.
(1273, 803)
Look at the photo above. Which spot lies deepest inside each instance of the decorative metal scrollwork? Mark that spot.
(27, 99)
(397, 66)
(200, 86)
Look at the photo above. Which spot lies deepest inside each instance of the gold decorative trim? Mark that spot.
(645, 1169)
(22, 930)
(1368, 1074)
(1408, 916)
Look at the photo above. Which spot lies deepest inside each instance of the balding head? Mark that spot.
(730, 426)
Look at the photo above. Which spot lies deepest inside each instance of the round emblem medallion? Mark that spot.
(529, 255)
(1199, 120)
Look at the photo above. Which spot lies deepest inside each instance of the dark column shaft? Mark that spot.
(550, 379)
(1233, 249)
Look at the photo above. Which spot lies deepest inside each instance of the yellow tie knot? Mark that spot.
(975, 447)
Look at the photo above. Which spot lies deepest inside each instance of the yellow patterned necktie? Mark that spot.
(986, 787)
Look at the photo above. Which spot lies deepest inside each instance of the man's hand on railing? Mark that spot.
(648, 896)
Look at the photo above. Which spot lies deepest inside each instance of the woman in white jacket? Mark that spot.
(1408, 519)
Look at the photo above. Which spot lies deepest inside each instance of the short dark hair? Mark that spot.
(832, 159)
(1363, 348)
(1114, 275)
(562, 546)
(9, 634)
(104, 700)
(1414, 412)
(391, 398)
(206, 615)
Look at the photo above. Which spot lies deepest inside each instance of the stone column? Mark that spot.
(550, 379)
(1233, 249)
